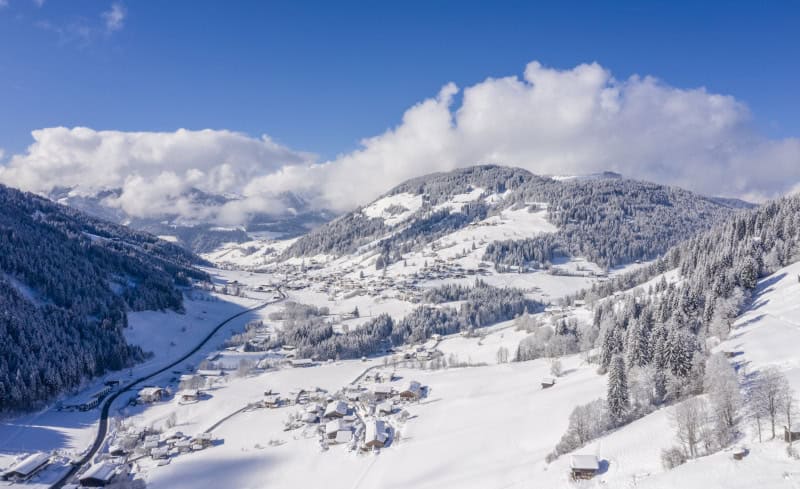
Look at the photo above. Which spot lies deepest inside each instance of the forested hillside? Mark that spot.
(606, 219)
(66, 282)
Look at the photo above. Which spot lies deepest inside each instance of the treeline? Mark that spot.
(66, 282)
(483, 305)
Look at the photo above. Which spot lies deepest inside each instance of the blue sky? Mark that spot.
(321, 76)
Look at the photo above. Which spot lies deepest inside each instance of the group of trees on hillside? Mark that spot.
(653, 342)
(66, 283)
(482, 305)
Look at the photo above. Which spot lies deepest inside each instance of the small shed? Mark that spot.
(335, 409)
(27, 467)
(412, 391)
(584, 466)
(98, 475)
(740, 453)
(791, 433)
(548, 382)
(302, 362)
(272, 401)
(189, 395)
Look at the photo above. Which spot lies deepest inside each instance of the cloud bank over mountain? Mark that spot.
(549, 121)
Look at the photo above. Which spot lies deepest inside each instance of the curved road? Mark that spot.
(102, 429)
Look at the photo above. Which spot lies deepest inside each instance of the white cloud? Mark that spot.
(574, 121)
(115, 17)
(548, 121)
(155, 170)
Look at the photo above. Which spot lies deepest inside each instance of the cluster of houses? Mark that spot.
(137, 443)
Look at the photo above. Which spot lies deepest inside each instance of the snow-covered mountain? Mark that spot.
(199, 235)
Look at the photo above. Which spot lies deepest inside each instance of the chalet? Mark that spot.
(183, 445)
(548, 382)
(150, 394)
(382, 392)
(584, 466)
(376, 434)
(791, 433)
(335, 409)
(412, 391)
(98, 475)
(423, 355)
(27, 467)
(189, 395)
(302, 362)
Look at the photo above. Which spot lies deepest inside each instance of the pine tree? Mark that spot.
(617, 397)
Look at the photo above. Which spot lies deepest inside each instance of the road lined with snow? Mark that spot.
(102, 429)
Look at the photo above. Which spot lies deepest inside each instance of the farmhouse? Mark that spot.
(412, 391)
(382, 392)
(98, 475)
(151, 394)
(335, 409)
(27, 467)
(375, 434)
(791, 433)
(584, 466)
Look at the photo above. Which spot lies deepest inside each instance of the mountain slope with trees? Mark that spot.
(605, 219)
(66, 283)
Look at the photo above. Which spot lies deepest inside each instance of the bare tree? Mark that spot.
(722, 385)
(768, 395)
(689, 418)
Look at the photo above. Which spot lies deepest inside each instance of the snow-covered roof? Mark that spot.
(385, 407)
(334, 426)
(336, 408)
(584, 462)
(375, 431)
(344, 436)
(413, 387)
(150, 391)
(103, 472)
(382, 389)
(795, 428)
(29, 464)
(189, 393)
